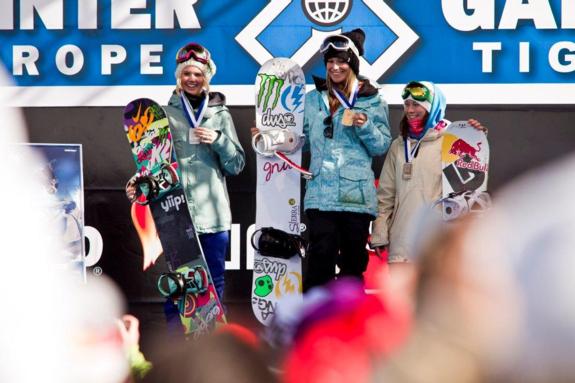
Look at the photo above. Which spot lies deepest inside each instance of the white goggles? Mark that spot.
(340, 43)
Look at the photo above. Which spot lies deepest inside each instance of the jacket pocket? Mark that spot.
(352, 182)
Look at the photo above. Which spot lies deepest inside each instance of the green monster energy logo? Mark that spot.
(269, 82)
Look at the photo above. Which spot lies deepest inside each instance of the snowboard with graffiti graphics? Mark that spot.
(280, 93)
(160, 211)
(465, 159)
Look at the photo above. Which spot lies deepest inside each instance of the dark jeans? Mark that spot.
(336, 238)
(215, 247)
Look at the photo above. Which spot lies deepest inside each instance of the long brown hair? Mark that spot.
(345, 86)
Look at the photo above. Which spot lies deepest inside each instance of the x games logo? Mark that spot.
(323, 14)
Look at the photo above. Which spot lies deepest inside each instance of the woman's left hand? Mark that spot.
(477, 125)
(359, 119)
(206, 136)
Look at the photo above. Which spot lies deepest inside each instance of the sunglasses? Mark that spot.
(417, 91)
(195, 51)
(328, 131)
(340, 43)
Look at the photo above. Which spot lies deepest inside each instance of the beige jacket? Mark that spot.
(399, 200)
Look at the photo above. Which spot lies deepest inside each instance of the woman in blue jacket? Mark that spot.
(346, 125)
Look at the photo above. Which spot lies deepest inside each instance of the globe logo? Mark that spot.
(326, 12)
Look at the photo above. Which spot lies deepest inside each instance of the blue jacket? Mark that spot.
(343, 179)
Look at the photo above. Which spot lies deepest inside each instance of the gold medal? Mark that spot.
(347, 119)
(407, 170)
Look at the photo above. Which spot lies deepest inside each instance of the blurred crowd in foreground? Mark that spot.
(486, 299)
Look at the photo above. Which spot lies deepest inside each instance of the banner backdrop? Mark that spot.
(60, 168)
(107, 52)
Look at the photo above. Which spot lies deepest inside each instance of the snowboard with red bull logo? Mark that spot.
(280, 96)
(160, 211)
(465, 159)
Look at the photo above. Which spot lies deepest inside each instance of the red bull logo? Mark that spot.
(461, 149)
(471, 165)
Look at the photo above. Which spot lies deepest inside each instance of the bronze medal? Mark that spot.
(407, 170)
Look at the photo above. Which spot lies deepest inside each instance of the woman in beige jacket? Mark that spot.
(411, 174)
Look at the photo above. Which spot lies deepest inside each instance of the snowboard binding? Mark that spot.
(279, 143)
(148, 187)
(459, 204)
(277, 243)
(265, 143)
(176, 285)
(168, 176)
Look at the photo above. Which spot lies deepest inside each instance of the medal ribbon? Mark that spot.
(409, 152)
(348, 104)
(194, 119)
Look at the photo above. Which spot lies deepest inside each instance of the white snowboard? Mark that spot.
(465, 158)
(280, 92)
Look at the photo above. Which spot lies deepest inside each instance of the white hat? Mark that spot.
(195, 55)
(427, 93)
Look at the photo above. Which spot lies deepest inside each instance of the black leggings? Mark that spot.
(336, 238)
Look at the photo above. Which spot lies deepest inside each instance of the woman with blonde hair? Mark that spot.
(346, 125)
(208, 150)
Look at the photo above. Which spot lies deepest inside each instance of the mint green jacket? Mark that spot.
(203, 166)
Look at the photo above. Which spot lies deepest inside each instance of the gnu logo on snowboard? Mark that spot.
(173, 202)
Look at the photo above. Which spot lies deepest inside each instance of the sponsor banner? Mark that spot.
(107, 52)
(60, 169)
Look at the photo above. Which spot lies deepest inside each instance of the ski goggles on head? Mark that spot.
(340, 43)
(195, 51)
(417, 91)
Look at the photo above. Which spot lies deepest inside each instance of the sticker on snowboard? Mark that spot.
(158, 189)
(465, 167)
(280, 93)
